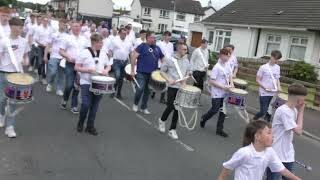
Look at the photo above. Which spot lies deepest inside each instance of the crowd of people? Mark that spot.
(65, 58)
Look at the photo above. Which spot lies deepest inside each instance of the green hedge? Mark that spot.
(304, 72)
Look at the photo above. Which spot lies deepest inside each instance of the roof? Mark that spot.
(185, 6)
(303, 14)
(207, 8)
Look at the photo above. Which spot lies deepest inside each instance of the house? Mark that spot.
(93, 9)
(163, 15)
(256, 27)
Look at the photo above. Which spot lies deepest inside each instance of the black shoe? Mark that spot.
(202, 123)
(153, 95)
(63, 105)
(222, 133)
(163, 101)
(112, 95)
(119, 97)
(80, 127)
(92, 131)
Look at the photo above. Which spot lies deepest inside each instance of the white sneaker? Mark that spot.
(35, 71)
(173, 134)
(49, 88)
(59, 93)
(30, 69)
(135, 108)
(44, 81)
(1, 121)
(162, 126)
(10, 132)
(145, 111)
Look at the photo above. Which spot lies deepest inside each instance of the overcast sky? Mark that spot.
(126, 3)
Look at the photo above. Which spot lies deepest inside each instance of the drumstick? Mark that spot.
(135, 81)
(308, 168)
(182, 79)
(194, 79)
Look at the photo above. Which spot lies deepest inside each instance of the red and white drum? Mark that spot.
(19, 88)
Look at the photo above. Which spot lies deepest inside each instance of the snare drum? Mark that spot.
(157, 82)
(188, 97)
(239, 83)
(19, 88)
(237, 97)
(102, 85)
(127, 69)
(280, 100)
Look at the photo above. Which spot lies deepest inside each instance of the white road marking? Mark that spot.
(187, 147)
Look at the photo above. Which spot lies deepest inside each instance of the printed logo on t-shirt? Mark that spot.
(15, 47)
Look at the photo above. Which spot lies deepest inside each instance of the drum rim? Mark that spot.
(230, 91)
(240, 83)
(164, 81)
(14, 83)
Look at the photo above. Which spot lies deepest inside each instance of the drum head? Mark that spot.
(283, 96)
(20, 79)
(209, 73)
(127, 69)
(239, 81)
(190, 88)
(157, 76)
(238, 91)
(102, 78)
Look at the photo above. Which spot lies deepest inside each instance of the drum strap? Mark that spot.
(202, 57)
(274, 81)
(224, 72)
(92, 53)
(175, 62)
(152, 52)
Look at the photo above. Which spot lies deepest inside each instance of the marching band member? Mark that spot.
(121, 49)
(146, 56)
(288, 120)
(268, 78)
(233, 61)
(167, 49)
(220, 81)
(141, 39)
(33, 54)
(87, 34)
(251, 161)
(200, 62)
(20, 49)
(171, 73)
(91, 61)
(70, 49)
(5, 15)
(54, 68)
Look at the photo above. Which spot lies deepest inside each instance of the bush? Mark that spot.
(304, 72)
(213, 58)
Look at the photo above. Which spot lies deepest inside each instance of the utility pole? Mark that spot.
(174, 10)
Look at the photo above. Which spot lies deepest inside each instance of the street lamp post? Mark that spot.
(174, 10)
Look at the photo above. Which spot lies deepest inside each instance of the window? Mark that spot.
(273, 43)
(298, 48)
(222, 39)
(164, 14)
(197, 18)
(162, 28)
(147, 11)
(211, 36)
(146, 26)
(181, 16)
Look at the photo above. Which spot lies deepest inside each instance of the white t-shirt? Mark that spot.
(120, 48)
(42, 35)
(19, 46)
(166, 48)
(220, 76)
(88, 61)
(199, 59)
(251, 165)
(107, 43)
(74, 45)
(283, 122)
(266, 78)
(56, 39)
(138, 42)
(233, 62)
(6, 29)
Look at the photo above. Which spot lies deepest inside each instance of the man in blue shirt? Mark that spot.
(146, 57)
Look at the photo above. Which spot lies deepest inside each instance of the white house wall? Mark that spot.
(136, 9)
(96, 8)
(243, 40)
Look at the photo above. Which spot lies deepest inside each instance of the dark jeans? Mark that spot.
(33, 56)
(143, 81)
(90, 103)
(277, 175)
(41, 63)
(171, 96)
(70, 75)
(217, 103)
(118, 69)
(199, 77)
(264, 105)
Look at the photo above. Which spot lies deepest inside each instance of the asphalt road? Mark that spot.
(127, 148)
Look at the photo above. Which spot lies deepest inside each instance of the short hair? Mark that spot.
(15, 22)
(297, 89)
(181, 44)
(149, 33)
(252, 129)
(276, 54)
(230, 46)
(225, 51)
(95, 37)
(63, 20)
(75, 21)
(204, 41)
(32, 15)
(122, 29)
(143, 31)
(127, 27)
(5, 9)
(167, 33)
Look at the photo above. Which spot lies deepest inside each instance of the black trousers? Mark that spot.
(199, 77)
(171, 96)
(217, 103)
(42, 64)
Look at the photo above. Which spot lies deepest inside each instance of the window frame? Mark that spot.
(147, 11)
(180, 14)
(275, 36)
(165, 14)
(299, 45)
(224, 37)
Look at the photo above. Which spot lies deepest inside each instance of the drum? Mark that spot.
(188, 97)
(19, 88)
(237, 97)
(239, 83)
(127, 69)
(280, 100)
(102, 85)
(157, 82)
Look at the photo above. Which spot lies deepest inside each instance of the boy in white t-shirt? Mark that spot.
(288, 120)
(268, 78)
(251, 161)
(20, 49)
(92, 61)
